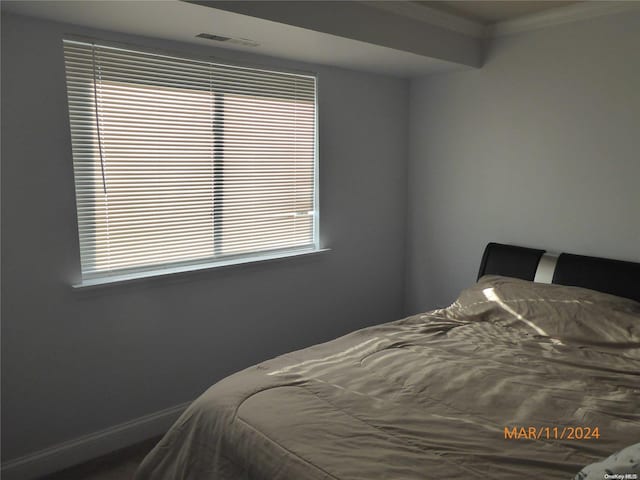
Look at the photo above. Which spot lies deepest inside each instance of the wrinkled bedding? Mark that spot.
(428, 397)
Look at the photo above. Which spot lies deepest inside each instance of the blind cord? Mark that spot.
(95, 103)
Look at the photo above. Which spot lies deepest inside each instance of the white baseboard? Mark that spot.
(81, 449)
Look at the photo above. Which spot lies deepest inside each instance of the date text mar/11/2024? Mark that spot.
(551, 433)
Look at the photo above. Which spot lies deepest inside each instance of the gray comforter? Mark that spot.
(432, 396)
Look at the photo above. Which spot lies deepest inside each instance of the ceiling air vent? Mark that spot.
(236, 41)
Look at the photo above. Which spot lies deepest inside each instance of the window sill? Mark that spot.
(113, 280)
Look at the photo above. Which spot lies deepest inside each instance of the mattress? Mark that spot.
(513, 379)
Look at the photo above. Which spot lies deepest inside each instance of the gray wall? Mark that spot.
(77, 362)
(540, 147)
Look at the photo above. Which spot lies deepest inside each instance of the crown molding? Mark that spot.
(559, 16)
(549, 18)
(432, 16)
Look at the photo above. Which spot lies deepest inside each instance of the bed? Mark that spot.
(516, 379)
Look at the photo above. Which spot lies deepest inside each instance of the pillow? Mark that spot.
(623, 465)
(555, 311)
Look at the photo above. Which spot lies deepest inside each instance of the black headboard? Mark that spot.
(602, 274)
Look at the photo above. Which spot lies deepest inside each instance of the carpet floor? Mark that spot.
(120, 465)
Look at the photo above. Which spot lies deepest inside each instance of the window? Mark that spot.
(181, 162)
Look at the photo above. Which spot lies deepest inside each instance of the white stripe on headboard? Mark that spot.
(546, 268)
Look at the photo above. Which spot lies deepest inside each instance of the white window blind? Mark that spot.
(180, 161)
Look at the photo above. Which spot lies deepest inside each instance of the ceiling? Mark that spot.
(490, 12)
(401, 38)
(182, 21)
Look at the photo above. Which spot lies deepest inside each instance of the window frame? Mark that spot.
(214, 262)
